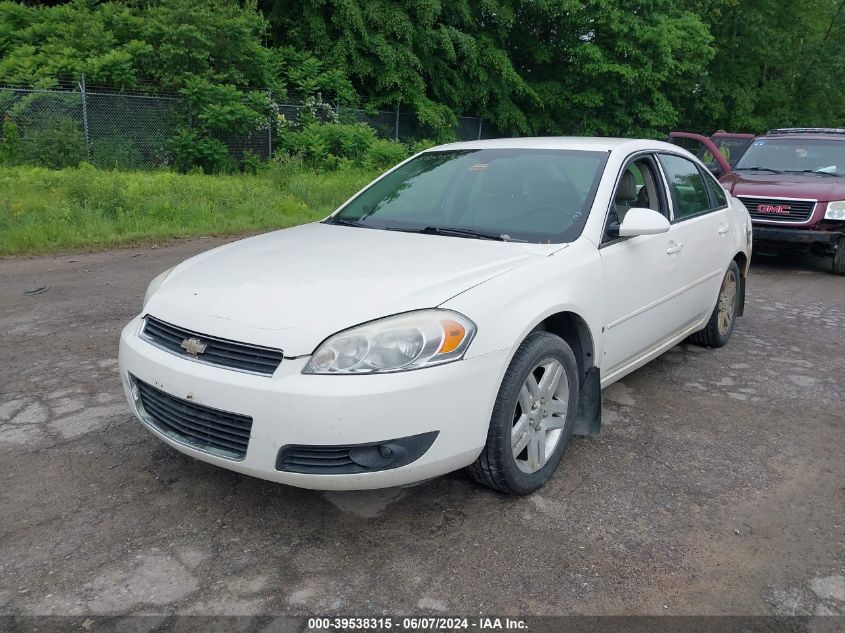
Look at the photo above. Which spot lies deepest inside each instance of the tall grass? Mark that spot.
(43, 210)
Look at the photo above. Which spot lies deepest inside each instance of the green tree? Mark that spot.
(776, 64)
(530, 67)
(606, 67)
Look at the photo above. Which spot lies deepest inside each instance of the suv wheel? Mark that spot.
(532, 419)
(839, 257)
(721, 324)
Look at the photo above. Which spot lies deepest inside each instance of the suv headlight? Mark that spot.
(398, 343)
(835, 210)
(155, 283)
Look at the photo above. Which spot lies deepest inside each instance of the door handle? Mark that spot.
(674, 247)
(724, 229)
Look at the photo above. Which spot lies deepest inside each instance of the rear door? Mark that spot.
(701, 231)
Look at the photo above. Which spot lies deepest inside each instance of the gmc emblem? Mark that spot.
(780, 209)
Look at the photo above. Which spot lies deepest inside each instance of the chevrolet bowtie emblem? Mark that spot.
(193, 346)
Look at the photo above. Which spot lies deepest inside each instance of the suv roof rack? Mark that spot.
(806, 130)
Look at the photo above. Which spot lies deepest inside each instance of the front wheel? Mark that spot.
(532, 419)
(721, 324)
(839, 257)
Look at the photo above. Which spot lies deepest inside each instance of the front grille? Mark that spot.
(211, 430)
(778, 209)
(217, 351)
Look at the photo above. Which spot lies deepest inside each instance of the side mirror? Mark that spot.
(640, 221)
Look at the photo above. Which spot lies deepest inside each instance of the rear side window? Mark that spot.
(717, 193)
(689, 192)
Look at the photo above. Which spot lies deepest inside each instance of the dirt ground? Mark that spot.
(716, 487)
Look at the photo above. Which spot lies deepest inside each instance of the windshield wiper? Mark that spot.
(346, 223)
(455, 232)
(774, 171)
(812, 171)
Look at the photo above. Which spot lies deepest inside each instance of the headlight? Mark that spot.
(155, 283)
(835, 210)
(398, 343)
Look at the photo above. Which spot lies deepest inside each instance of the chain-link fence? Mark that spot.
(118, 130)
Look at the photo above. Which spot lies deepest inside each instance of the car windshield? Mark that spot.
(529, 195)
(795, 155)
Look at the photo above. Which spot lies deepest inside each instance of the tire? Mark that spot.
(839, 257)
(723, 319)
(546, 424)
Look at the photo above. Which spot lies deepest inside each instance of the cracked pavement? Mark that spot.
(716, 486)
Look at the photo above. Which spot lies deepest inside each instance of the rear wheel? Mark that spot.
(721, 324)
(839, 257)
(532, 419)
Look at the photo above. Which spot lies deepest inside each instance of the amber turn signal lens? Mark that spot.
(453, 334)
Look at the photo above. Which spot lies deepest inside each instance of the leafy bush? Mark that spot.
(382, 154)
(421, 145)
(56, 142)
(253, 163)
(334, 145)
(190, 150)
(115, 151)
(10, 146)
(218, 112)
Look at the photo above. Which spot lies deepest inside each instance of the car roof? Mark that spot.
(804, 136)
(806, 132)
(587, 143)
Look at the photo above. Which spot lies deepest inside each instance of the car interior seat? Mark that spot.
(626, 195)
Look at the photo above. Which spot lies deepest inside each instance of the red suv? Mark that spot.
(791, 180)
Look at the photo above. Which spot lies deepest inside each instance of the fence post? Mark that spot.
(85, 118)
(480, 121)
(270, 124)
(396, 126)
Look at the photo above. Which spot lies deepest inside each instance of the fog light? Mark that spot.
(376, 457)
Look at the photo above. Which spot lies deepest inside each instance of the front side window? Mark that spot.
(686, 184)
(638, 186)
(818, 156)
(526, 195)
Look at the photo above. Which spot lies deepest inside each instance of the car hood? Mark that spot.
(291, 289)
(808, 186)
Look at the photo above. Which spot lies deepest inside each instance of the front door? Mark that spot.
(642, 273)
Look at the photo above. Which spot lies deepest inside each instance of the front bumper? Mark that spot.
(290, 408)
(794, 236)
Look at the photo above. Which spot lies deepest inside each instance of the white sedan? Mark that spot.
(463, 310)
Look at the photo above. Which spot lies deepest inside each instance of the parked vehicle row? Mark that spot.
(792, 180)
(463, 310)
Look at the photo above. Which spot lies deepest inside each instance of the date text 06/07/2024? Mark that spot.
(415, 624)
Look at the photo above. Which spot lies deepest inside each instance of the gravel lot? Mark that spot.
(716, 486)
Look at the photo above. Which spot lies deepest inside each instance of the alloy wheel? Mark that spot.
(539, 415)
(727, 303)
